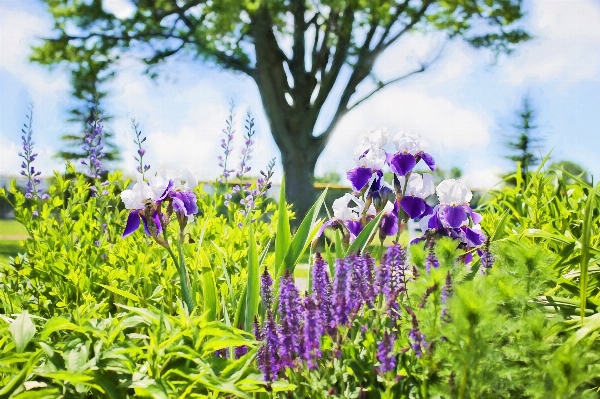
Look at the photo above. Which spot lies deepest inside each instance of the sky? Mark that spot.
(464, 104)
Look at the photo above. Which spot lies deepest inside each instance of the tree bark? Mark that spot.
(299, 168)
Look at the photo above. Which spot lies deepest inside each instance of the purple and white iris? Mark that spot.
(369, 157)
(418, 187)
(145, 201)
(453, 215)
(351, 216)
(410, 149)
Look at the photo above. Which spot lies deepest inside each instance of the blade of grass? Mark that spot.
(253, 286)
(585, 250)
(364, 238)
(284, 235)
(209, 290)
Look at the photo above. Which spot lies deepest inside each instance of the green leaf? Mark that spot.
(301, 239)
(499, 231)
(22, 331)
(365, 236)
(284, 235)
(253, 286)
(17, 380)
(59, 324)
(209, 290)
(119, 291)
(585, 250)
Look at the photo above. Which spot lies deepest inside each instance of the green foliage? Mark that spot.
(109, 310)
(486, 336)
(560, 211)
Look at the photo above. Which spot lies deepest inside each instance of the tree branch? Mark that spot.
(381, 85)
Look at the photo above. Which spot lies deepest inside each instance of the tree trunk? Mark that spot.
(299, 168)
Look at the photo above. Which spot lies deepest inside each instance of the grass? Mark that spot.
(12, 228)
(11, 234)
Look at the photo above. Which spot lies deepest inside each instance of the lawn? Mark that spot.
(11, 234)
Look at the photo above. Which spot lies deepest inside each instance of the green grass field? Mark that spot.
(11, 235)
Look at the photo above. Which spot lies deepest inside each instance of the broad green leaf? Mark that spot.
(301, 239)
(253, 286)
(284, 235)
(22, 330)
(499, 231)
(59, 324)
(209, 290)
(365, 236)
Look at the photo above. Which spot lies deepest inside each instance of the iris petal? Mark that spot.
(389, 224)
(133, 222)
(354, 227)
(413, 206)
(402, 163)
(453, 216)
(428, 159)
(359, 177)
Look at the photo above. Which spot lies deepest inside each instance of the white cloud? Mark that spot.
(446, 125)
(565, 45)
(483, 179)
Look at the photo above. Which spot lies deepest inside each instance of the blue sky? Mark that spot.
(464, 104)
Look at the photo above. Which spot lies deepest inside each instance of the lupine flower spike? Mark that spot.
(92, 146)
(139, 140)
(33, 189)
(227, 146)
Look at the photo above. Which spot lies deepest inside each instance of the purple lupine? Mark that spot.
(312, 332)
(431, 260)
(446, 293)
(139, 140)
(268, 354)
(385, 353)
(290, 312)
(341, 291)
(247, 200)
(33, 177)
(227, 146)
(323, 291)
(415, 335)
(266, 289)
(92, 145)
(382, 278)
(264, 183)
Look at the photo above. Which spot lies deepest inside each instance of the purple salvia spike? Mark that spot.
(431, 260)
(312, 332)
(341, 291)
(446, 293)
(256, 329)
(290, 311)
(355, 298)
(395, 262)
(268, 355)
(367, 265)
(266, 289)
(322, 290)
(385, 353)
(240, 351)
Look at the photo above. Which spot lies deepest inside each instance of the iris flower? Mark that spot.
(453, 213)
(418, 188)
(370, 158)
(410, 149)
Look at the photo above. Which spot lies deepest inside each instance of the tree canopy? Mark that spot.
(295, 50)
